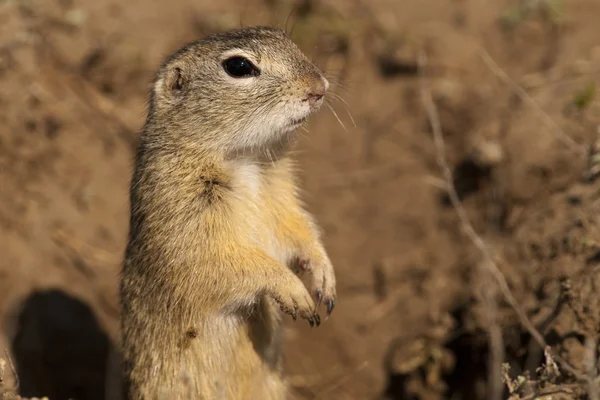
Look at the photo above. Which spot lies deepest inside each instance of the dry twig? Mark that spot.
(523, 95)
(13, 369)
(590, 359)
(467, 226)
(496, 339)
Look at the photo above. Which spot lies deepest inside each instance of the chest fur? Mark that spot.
(259, 209)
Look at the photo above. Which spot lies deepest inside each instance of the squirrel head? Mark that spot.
(242, 90)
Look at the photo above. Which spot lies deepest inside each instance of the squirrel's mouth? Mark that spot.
(298, 121)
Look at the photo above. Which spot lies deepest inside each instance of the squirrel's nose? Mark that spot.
(312, 98)
(317, 91)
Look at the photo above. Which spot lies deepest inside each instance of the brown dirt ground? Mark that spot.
(417, 308)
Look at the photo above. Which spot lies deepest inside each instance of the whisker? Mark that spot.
(294, 8)
(264, 151)
(339, 85)
(315, 56)
(336, 116)
(270, 157)
(336, 73)
(346, 106)
(285, 29)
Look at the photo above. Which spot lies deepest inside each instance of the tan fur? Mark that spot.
(216, 224)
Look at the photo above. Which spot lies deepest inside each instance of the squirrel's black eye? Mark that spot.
(240, 67)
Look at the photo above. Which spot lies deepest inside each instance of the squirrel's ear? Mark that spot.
(174, 80)
(172, 83)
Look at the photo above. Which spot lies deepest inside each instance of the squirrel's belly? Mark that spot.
(225, 362)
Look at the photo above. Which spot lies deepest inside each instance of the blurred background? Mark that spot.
(440, 296)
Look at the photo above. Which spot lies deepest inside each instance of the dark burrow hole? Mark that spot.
(468, 179)
(468, 378)
(59, 349)
(466, 381)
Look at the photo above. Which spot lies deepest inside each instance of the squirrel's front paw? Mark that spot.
(294, 299)
(323, 285)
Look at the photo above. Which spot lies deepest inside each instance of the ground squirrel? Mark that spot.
(217, 231)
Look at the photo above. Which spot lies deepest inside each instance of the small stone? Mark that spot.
(488, 153)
